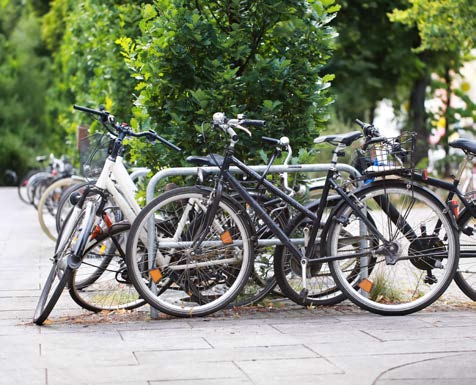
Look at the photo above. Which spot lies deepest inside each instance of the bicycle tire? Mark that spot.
(59, 275)
(190, 284)
(261, 281)
(101, 282)
(21, 189)
(400, 287)
(33, 183)
(47, 200)
(320, 285)
(65, 205)
(465, 276)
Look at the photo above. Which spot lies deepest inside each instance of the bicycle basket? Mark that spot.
(387, 156)
(93, 151)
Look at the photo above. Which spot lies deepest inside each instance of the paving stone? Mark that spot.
(161, 371)
(227, 354)
(286, 345)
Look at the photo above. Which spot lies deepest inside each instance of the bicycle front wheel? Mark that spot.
(412, 267)
(170, 272)
(60, 271)
(465, 276)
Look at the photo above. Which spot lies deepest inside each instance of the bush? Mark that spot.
(260, 58)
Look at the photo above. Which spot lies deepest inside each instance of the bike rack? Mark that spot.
(292, 168)
(188, 171)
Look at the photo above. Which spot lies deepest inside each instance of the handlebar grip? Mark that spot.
(170, 144)
(369, 129)
(271, 140)
(154, 136)
(253, 122)
(90, 110)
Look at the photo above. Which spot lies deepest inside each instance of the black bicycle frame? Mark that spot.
(226, 175)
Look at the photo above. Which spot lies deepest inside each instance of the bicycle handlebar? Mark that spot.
(125, 129)
(228, 125)
(369, 129)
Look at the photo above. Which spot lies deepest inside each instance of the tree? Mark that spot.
(24, 79)
(373, 58)
(261, 58)
(446, 36)
(88, 66)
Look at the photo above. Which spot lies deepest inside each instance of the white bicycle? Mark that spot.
(89, 254)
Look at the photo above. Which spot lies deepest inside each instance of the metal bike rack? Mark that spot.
(292, 168)
(187, 171)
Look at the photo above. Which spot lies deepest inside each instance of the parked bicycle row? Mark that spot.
(381, 238)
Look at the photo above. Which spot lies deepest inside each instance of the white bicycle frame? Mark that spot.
(112, 174)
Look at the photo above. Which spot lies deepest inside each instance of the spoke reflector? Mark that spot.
(156, 275)
(366, 285)
(226, 238)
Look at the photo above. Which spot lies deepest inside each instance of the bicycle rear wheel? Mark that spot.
(102, 281)
(413, 268)
(49, 203)
(172, 275)
(465, 276)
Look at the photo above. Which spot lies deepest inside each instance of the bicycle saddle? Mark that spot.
(464, 144)
(209, 160)
(345, 139)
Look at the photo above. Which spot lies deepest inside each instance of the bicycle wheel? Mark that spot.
(33, 184)
(176, 278)
(22, 186)
(465, 276)
(65, 205)
(261, 280)
(49, 203)
(102, 281)
(60, 272)
(409, 272)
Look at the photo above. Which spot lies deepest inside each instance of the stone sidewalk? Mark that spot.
(281, 345)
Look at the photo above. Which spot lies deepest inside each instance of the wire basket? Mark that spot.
(93, 151)
(387, 156)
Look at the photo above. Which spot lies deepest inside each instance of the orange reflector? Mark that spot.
(454, 207)
(96, 232)
(107, 220)
(226, 238)
(156, 275)
(424, 174)
(366, 285)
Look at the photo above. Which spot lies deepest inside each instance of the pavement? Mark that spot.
(279, 343)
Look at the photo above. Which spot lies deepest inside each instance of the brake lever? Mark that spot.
(239, 126)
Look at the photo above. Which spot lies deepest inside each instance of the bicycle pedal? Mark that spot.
(303, 294)
(468, 231)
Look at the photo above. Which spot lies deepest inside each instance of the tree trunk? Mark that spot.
(418, 116)
(444, 139)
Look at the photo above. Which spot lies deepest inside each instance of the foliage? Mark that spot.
(260, 58)
(24, 78)
(88, 67)
(443, 25)
(446, 36)
(373, 58)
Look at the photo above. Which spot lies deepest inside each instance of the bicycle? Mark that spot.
(465, 275)
(194, 232)
(89, 224)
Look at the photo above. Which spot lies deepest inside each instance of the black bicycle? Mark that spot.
(465, 276)
(391, 245)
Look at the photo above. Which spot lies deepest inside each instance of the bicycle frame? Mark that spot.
(225, 175)
(113, 173)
